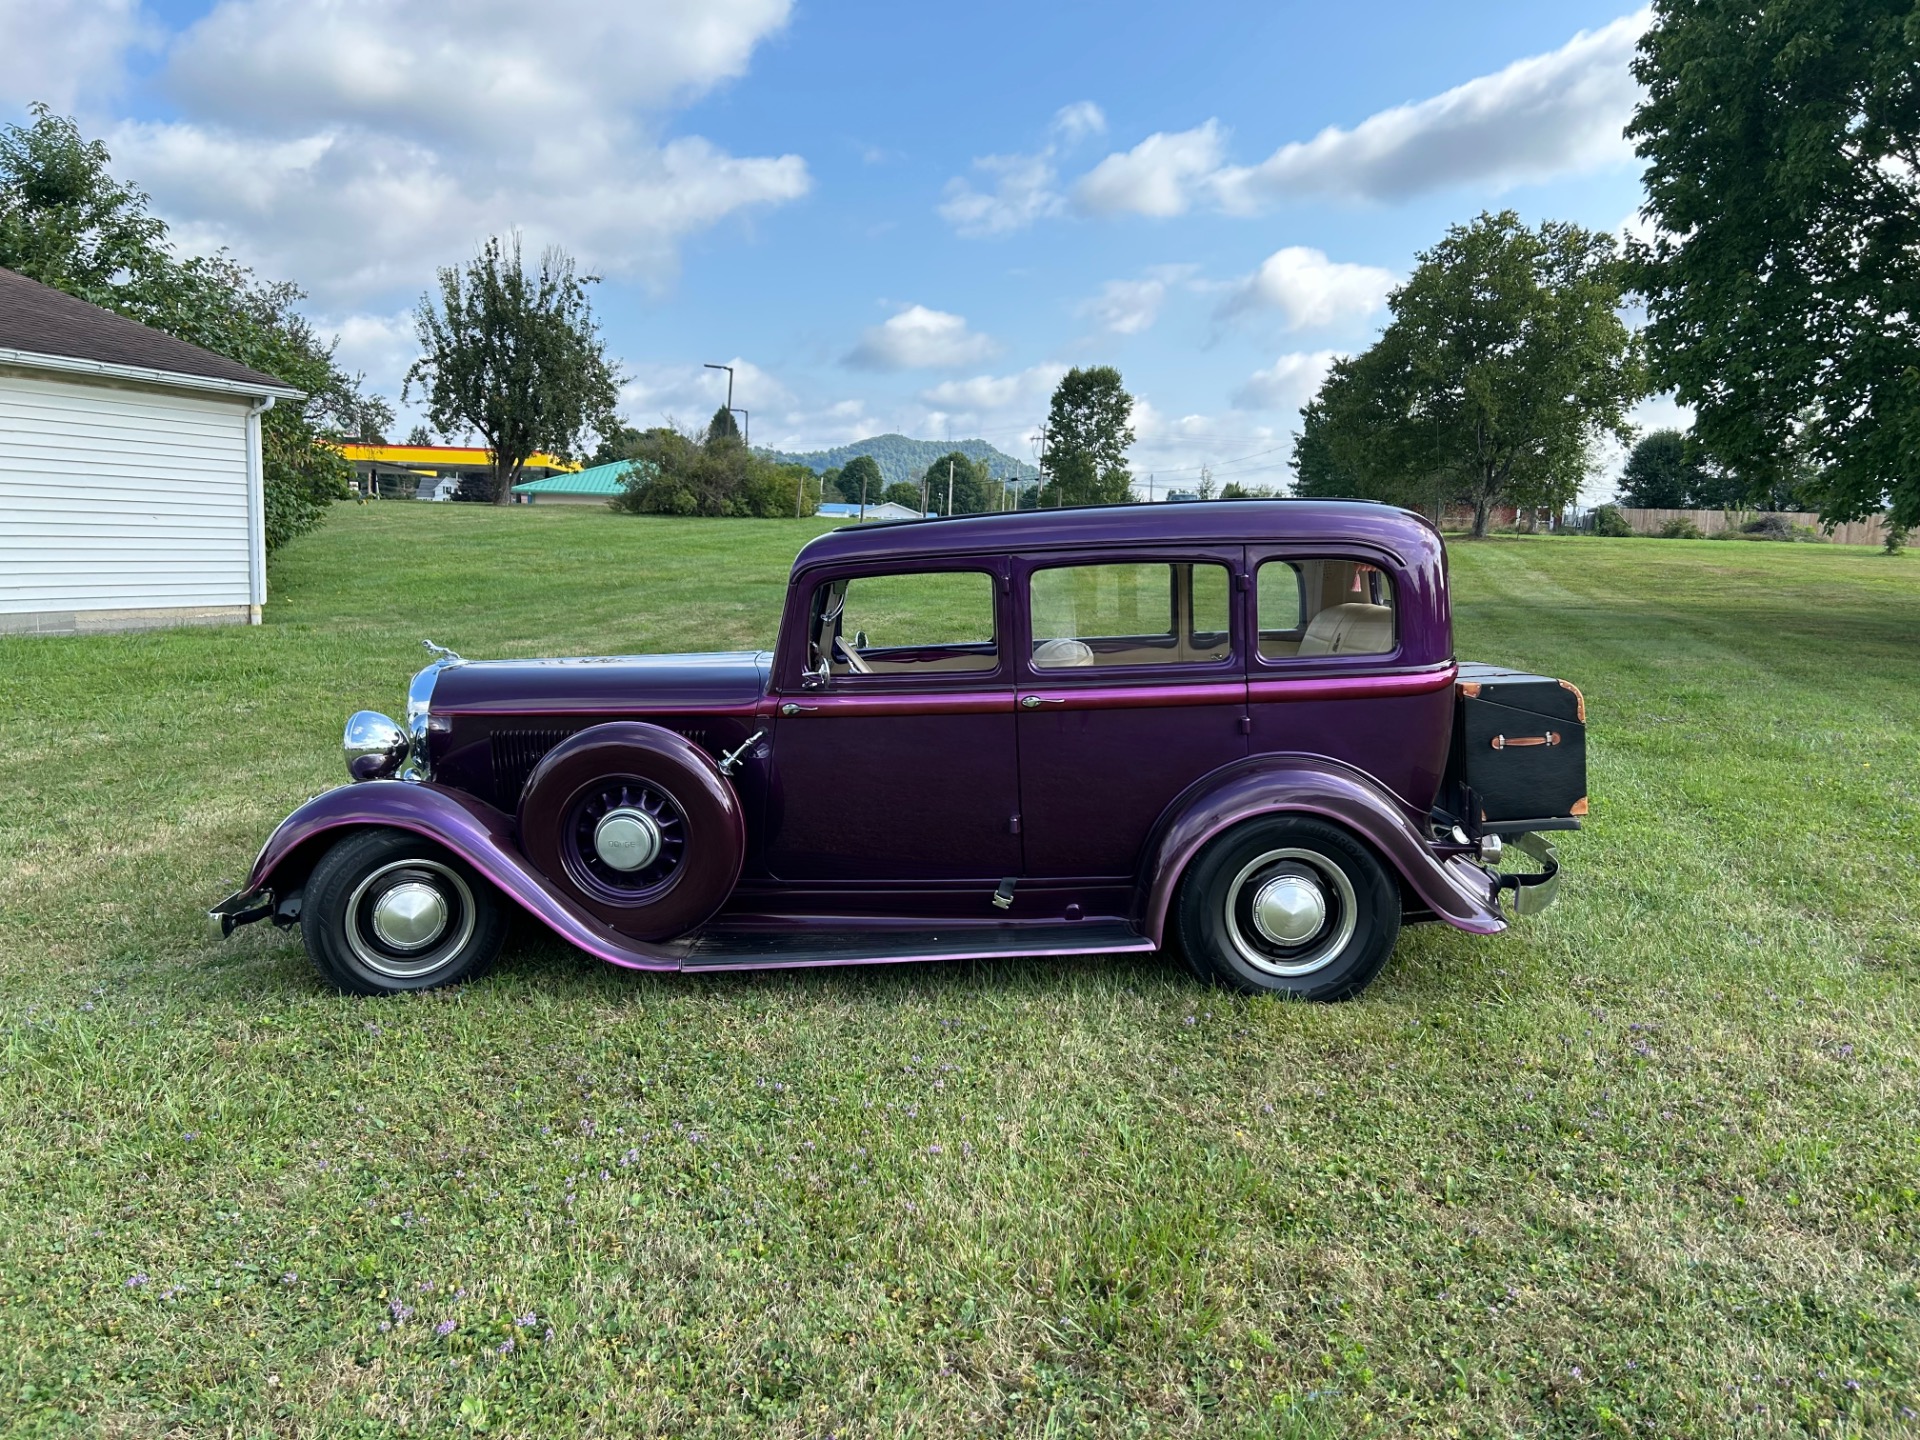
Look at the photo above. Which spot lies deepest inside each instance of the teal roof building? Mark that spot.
(593, 486)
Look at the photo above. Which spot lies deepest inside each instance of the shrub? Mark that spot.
(1779, 527)
(1681, 527)
(1608, 521)
(1897, 536)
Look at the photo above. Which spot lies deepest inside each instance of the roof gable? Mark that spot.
(39, 321)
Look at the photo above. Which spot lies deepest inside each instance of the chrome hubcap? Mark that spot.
(1291, 912)
(408, 918)
(627, 839)
(1289, 909)
(410, 915)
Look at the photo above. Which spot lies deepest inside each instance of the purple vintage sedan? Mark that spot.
(1234, 730)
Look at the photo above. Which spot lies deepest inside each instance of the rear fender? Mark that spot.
(1456, 890)
(471, 829)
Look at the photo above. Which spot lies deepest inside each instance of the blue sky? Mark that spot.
(886, 216)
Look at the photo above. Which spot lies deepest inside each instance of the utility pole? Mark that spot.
(1149, 487)
(746, 437)
(949, 484)
(863, 495)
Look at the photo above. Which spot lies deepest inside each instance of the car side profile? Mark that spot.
(1236, 730)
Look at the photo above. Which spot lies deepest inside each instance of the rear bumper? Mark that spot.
(1533, 893)
(243, 907)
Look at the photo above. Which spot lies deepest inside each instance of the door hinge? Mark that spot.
(1013, 824)
(1246, 725)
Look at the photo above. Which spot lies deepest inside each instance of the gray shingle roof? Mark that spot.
(40, 320)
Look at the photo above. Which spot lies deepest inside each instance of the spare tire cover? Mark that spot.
(636, 824)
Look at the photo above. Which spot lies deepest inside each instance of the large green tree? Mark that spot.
(1782, 141)
(861, 481)
(957, 484)
(1505, 362)
(679, 474)
(515, 355)
(1660, 474)
(1089, 431)
(66, 221)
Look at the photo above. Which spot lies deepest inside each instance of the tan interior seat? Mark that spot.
(1349, 630)
(1061, 654)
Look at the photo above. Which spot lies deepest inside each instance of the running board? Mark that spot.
(721, 947)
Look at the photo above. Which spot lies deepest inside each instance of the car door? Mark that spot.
(1337, 670)
(1131, 686)
(893, 753)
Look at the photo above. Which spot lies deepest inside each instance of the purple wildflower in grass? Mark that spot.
(605, 1175)
(289, 1278)
(461, 1293)
(386, 1325)
(191, 1135)
(1853, 1384)
(1576, 1372)
(933, 1150)
(1189, 1021)
(401, 1312)
(136, 1280)
(443, 1329)
(527, 1321)
(506, 1346)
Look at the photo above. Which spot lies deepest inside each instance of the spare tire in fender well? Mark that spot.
(685, 830)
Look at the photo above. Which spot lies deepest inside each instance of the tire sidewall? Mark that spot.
(716, 829)
(328, 893)
(1202, 924)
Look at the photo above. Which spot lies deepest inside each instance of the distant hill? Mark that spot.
(902, 459)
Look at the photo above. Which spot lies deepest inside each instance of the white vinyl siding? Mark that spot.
(117, 498)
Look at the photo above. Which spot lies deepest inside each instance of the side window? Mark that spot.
(931, 622)
(1130, 614)
(1324, 607)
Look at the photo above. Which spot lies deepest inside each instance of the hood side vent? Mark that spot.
(515, 753)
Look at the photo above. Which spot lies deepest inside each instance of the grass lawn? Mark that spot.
(1649, 1165)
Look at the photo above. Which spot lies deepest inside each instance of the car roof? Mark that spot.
(1402, 532)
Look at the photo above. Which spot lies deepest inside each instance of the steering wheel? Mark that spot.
(854, 660)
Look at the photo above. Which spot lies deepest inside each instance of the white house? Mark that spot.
(130, 481)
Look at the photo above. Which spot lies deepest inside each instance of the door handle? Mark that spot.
(790, 709)
(1034, 702)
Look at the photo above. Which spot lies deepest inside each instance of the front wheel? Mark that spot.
(1291, 906)
(385, 911)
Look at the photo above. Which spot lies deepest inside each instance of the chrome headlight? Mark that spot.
(375, 745)
(419, 716)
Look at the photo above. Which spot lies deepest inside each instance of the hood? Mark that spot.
(725, 681)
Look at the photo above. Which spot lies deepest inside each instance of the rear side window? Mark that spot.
(927, 623)
(1309, 608)
(1094, 616)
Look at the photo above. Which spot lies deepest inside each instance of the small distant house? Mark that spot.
(130, 472)
(595, 485)
(436, 487)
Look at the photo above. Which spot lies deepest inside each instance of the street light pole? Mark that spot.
(709, 365)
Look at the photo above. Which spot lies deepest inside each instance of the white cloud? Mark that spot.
(1157, 177)
(1024, 188)
(1077, 121)
(1555, 114)
(55, 50)
(1126, 307)
(688, 394)
(355, 145)
(379, 346)
(1287, 384)
(995, 394)
(919, 339)
(1309, 290)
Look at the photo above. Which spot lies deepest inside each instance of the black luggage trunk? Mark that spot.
(1519, 756)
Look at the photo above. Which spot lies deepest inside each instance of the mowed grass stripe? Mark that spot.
(1645, 1166)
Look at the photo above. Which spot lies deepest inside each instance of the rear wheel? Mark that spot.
(385, 911)
(1289, 905)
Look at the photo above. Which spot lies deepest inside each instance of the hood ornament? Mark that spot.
(443, 652)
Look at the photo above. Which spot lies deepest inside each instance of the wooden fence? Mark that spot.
(1712, 522)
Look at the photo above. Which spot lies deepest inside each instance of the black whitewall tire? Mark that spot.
(385, 911)
(1288, 905)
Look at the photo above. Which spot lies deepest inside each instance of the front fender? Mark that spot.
(471, 829)
(1457, 891)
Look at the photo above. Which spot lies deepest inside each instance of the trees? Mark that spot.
(67, 222)
(723, 426)
(1089, 430)
(515, 356)
(678, 474)
(1660, 474)
(860, 481)
(957, 484)
(904, 493)
(1505, 361)
(1782, 144)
